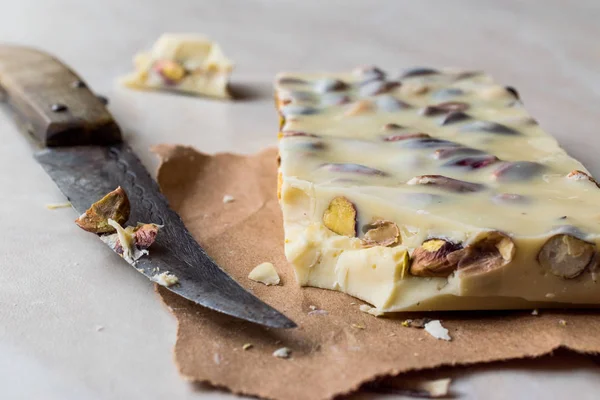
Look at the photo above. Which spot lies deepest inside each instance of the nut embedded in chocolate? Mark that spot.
(445, 183)
(490, 127)
(431, 259)
(381, 233)
(444, 108)
(418, 71)
(115, 205)
(517, 171)
(376, 87)
(474, 162)
(405, 136)
(566, 256)
(352, 169)
(577, 175)
(389, 103)
(486, 252)
(330, 85)
(454, 117)
(340, 217)
(171, 71)
(288, 80)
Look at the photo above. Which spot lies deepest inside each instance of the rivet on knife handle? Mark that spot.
(60, 111)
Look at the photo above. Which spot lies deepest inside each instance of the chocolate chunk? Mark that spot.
(513, 91)
(444, 108)
(418, 71)
(352, 169)
(58, 107)
(472, 162)
(517, 171)
(488, 126)
(454, 117)
(330, 85)
(389, 103)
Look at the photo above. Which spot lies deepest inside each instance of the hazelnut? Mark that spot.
(381, 233)
(565, 255)
(431, 259)
(115, 205)
(340, 217)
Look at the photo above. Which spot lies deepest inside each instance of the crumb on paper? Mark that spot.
(418, 323)
(99, 328)
(562, 322)
(371, 310)
(228, 199)
(283, 352)
(247, 346)
(535, 312)
(353, 304)
(217, 358)
(435, 329)
(165, 279)
(54, 206)
(318, 312)
(359, 326)
(550, 295)
(265, 273)
(313, 308)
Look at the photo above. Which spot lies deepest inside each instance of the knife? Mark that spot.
(83, 152)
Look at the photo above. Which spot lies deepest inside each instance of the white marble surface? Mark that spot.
(58, 285)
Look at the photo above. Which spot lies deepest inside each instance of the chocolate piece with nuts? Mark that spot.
(115, 205)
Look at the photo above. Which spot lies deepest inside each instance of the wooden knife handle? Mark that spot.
(53, 103)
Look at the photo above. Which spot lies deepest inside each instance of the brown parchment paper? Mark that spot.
(332, 355)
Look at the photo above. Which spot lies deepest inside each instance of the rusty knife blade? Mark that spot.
(87, 158)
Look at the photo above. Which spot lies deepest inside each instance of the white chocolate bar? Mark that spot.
(186, 63)
(431, 190)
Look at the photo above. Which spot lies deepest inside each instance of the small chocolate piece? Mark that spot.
(488, 126)
(418, 71)
(58, 107)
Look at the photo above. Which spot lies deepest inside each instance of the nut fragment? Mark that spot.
(340, 217)
(431, 259)
(144, 235)
(566, 256)
(381, 233)
(360, 107)
(115, 205)
(443, 182)
(445, 108)
(171, 71)
(486, 252)
(405, 136)
(578, 175)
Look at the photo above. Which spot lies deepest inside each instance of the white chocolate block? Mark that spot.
(444, 166)
(187, 63)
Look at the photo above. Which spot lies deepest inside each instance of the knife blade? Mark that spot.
(86, 158)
